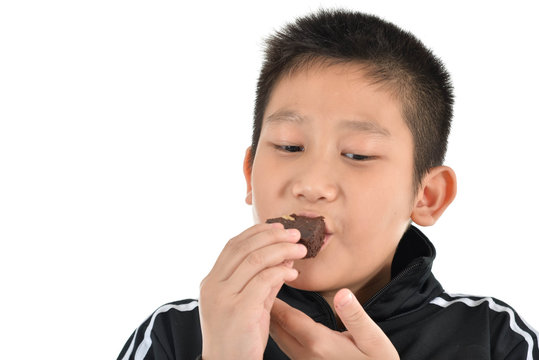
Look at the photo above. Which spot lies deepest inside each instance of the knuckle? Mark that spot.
(282, 318)
(203, 283)
(240, 248)
(353, 313)
(270, 276)
(318, 349)
(255, 259)
(233, 245)
(277, 233)
(264, 276)
(209, 291)
(203, 288)
(356, 315)
(272, 234)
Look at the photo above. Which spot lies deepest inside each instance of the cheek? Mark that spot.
(382, 198)
(259, 195)
(266, 186)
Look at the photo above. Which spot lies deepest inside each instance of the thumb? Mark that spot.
(368, 336)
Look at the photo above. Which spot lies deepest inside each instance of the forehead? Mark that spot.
(341, 94)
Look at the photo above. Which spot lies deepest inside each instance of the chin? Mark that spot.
(308, 282)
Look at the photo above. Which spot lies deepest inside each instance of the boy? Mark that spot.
(351, 123)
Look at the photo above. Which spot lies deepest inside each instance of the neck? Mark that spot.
(363, 292)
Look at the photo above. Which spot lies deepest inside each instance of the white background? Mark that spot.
(123, 126)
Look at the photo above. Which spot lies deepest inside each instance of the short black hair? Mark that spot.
(394, 59)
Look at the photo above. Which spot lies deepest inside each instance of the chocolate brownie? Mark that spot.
(312, 230)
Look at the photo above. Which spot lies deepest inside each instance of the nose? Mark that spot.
(315, 182)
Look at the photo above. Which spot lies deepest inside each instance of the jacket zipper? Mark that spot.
(320, 299)
(391, 282)
(327, 309)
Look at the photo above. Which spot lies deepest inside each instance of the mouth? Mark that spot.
(326, 240)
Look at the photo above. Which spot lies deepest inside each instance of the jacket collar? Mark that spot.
(412, 285)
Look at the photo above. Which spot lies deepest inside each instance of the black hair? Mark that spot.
(394, 58)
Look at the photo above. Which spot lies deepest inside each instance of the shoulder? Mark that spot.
(493, 308)
(179, 313)
(171, 326)
(186, 307)
(491, 318)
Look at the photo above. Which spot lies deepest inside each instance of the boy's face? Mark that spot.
(333, 144)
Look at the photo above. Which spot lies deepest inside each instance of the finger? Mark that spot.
(263, 258)
(243, 251)
(286, 341)
(237, 242)
(299, 336)
(256, 237)
(368, 336)
(263, 287)
(296, 323)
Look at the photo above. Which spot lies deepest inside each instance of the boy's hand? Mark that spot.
(302, 338)
(237, 295)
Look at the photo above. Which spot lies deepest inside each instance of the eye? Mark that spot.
(357, 157)
(289, 148)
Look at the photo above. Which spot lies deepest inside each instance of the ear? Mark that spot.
(247, 170)
(438, 189)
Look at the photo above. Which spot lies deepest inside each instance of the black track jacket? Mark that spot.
(422, 321)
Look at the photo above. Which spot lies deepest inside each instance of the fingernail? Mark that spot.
(302, 247)
(293, 232)
(347, 299)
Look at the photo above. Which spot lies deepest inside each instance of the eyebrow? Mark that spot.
(365, 126)
(284, 115)
(353, 125)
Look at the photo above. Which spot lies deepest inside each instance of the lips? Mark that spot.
(327, 239)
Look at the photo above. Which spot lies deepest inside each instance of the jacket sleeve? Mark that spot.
(521, 351)
(155, 351)
(127, 347)
(172, 332)
(511, 337)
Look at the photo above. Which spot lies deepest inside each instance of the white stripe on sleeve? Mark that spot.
(493, 306)
(146, 343)
(130, 349)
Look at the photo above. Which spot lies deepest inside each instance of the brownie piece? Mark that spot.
(312, 229)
